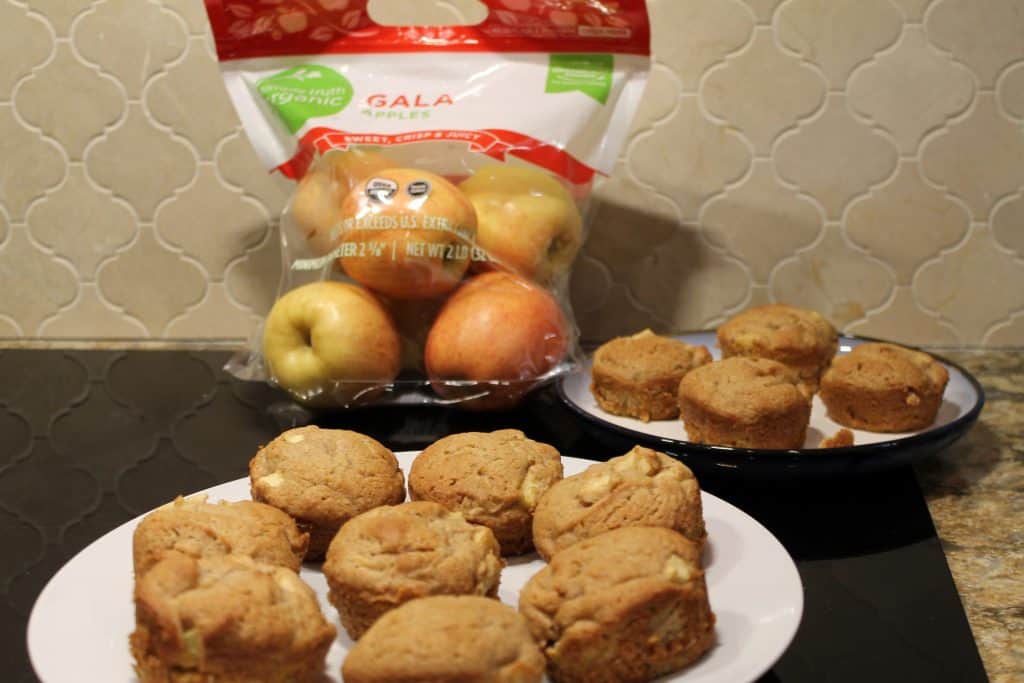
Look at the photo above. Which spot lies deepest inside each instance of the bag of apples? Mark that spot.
(442, 172)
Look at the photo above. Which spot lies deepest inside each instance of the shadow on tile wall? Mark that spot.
(862, 157)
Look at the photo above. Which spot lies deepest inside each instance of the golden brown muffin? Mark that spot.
(325, 477)
(884, 388)
(796, 337)
(393, 554)
(199, 529)
(227, 619)
(641, 488)
(744, 402)
(639, 376)
(446, 639)
(493, 479)
(625, 606)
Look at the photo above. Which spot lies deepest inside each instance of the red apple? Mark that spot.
(497, 329)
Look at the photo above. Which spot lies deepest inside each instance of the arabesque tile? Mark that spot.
(140, 163)
(763, 90)
(34, 285)
(1008, 224)
(82, 223)
(837, 35)
(151, 283)
(186, 87)
(66, 83)
(130, 40)
(979, 158)
(688, 36)
(1010, 91)
(951, 285)
(213, 224)
(911, 89)
(983, 34)
(904, 321)
(834, 278)
(27, 42)
(31, 165)
(761, 220)
(834, 157)
(689, 158)
(906, 221)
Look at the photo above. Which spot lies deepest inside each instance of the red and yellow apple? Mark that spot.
(526, 220)
(407, 234)
(318, 197)
(331, 343)
(493, 339)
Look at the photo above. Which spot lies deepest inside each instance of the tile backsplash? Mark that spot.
(861, 157)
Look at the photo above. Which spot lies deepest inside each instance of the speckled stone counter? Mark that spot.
(975, 491)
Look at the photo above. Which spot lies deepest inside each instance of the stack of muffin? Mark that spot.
(621, 598)
(775, 358)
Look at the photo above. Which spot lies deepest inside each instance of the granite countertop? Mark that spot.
(975, 492)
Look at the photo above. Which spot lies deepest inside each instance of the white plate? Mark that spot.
(80, 624)
(960, 399)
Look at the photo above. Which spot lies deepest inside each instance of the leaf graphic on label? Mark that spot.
(305, 92)
(588, 74)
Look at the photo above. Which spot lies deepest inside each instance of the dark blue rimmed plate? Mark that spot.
(872, 451)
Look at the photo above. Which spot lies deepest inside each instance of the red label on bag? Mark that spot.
(258, 28)
(497, 144)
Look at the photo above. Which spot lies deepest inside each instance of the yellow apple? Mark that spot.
(331, 343)
(500, 330)
(317, 200)
(526, 220)
(407, 234)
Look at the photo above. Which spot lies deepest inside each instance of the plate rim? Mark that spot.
(697, 449)
(786, 637)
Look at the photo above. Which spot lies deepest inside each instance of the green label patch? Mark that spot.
(588, 74)
(305, 92)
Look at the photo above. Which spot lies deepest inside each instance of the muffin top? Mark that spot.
(641, 488)
(414, 549)
(199, 529)
(877, 366)
(645, 356)
(598, 579)
(447, 638)
(778, 331)
(743, 389)
(326, 475)
(228, 607)
(485, 475)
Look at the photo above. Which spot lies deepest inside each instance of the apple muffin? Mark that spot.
(446, 639)
(495, 479)
(625, 606)
(641, 488)
(392, 554)
(884, 388)
(745, 402)
(227, 619)
(798, 338)
(196, 528)
(325, 477)
(638, 376)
